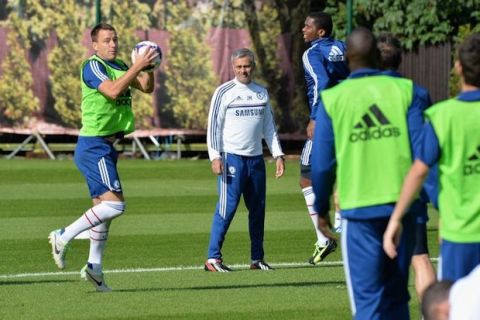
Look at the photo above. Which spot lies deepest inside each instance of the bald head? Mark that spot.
(362, 51)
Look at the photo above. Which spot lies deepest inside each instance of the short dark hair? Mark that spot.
(362, 49)
(322, 20)
(98, 27)
(390, 51)
(243, 52)
(434, 295)
(469, 57)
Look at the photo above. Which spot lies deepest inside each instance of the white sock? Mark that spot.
(98, 240)
(338, 219)
(102, 212)
(309, 200)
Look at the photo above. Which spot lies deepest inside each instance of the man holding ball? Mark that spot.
(106, 115)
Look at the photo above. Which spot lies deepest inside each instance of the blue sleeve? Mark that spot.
(315, 68)
(423, 95)
(415, 119)
(429, 151)
(323, 161)
(94, 73)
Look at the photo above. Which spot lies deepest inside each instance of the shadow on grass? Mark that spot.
(29, 282)
(240, 286)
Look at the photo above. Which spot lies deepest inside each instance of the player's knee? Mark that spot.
(113, 209)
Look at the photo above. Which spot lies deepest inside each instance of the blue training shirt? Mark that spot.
(324, 161)
(430, 148)
(325, 65)
(430, 186)
(94, 73)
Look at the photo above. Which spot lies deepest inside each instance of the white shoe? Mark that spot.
(95, 278)
(59, 248)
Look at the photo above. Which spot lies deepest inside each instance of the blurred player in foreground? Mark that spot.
(106, 115)
(445, 299)
(451, 139)
(391, 57)
(240, 117)
(364, 133)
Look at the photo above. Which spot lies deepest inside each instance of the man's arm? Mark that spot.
(270, 133)
(144, 82)
(114, 88)
(216, 118)
(317, 77)
(273, 142)
(428, 155)
(411, 186)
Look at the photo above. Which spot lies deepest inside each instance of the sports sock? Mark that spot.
(338, 219)
(102, 212)
(98, 240)
(309, 200)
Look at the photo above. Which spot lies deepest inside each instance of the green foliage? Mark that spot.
(65, 59)
(415, 22)
(190, 81)
(17, 100)
(228, 14)
(265, 41)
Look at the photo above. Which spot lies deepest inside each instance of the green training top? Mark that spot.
(457, 127)
(102, 116)
(369, 119)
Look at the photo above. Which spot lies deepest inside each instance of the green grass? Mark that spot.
(165, 231)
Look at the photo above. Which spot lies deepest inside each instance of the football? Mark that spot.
(141, 47)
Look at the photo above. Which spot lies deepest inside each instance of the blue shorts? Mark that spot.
(96, 158)
(305, 157)
(457, 259)
(377, 285)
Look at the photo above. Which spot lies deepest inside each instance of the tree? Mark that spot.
(65, 59)
(17, 100)
(189, 77)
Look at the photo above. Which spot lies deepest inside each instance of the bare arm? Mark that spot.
(412, 184)
(114, 88)
(144, 82)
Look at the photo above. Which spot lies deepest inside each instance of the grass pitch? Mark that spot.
(156, 250)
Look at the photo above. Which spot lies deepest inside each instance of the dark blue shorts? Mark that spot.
(96, 158)
(305, 158)
(457, 259)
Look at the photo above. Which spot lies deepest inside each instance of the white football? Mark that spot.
(141, 47)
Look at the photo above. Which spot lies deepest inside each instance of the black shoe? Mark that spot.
(321, 252)
(260, 265)
(217, 266)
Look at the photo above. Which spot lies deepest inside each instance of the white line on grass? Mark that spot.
(167, 269)
(164, 269)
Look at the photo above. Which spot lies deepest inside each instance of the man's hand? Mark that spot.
(217, 166)
(325, 227)
(280, 167)
(310, 129)
(391, 237)
(146, 59)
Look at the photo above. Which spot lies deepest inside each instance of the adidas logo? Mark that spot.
(374, 127)
(473, 168)
(335, 54)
